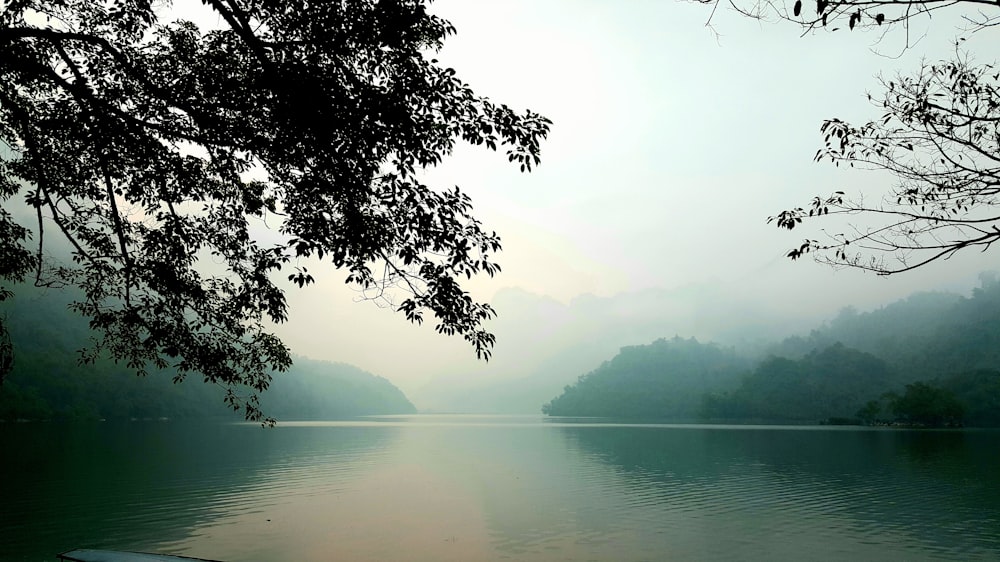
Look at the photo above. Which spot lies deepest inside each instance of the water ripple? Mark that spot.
(525, 492)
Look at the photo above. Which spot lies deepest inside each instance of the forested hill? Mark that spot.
(931, 358)
(665, 379)
(48, 383)
(313, 390)
(925, 336)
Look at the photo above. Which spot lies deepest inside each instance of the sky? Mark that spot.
(671, 144)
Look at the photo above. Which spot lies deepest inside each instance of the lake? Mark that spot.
(499, 488)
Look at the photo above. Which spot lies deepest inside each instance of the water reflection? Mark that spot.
(794, 494)
(143, 486)
(477, 488)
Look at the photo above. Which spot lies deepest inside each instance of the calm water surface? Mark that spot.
(499, 488)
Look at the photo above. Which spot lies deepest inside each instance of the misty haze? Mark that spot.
(528, 280)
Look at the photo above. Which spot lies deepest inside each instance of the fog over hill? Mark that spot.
(49, 382)
(543, 344)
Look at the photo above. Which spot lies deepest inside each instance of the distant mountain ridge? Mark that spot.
(544, 344)
(855, 365)
(48, 383)
(316, 390)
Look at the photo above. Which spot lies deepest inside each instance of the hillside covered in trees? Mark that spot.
(48, 382)
(664, 379)
(930, 359)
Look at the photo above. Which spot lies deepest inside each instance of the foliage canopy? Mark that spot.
(161, 151)
(928, 405)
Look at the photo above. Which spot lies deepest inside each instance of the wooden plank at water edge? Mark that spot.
(88, 555)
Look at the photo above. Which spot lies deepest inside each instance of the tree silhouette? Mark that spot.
(940, 139)
(928, 405)
(161, 151)
(6, 351)
(873, 15)
(938, 136)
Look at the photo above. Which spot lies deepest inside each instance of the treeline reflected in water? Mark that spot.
(796, 493)
(146, 486)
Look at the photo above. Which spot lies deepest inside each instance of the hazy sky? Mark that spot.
(671, 145)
